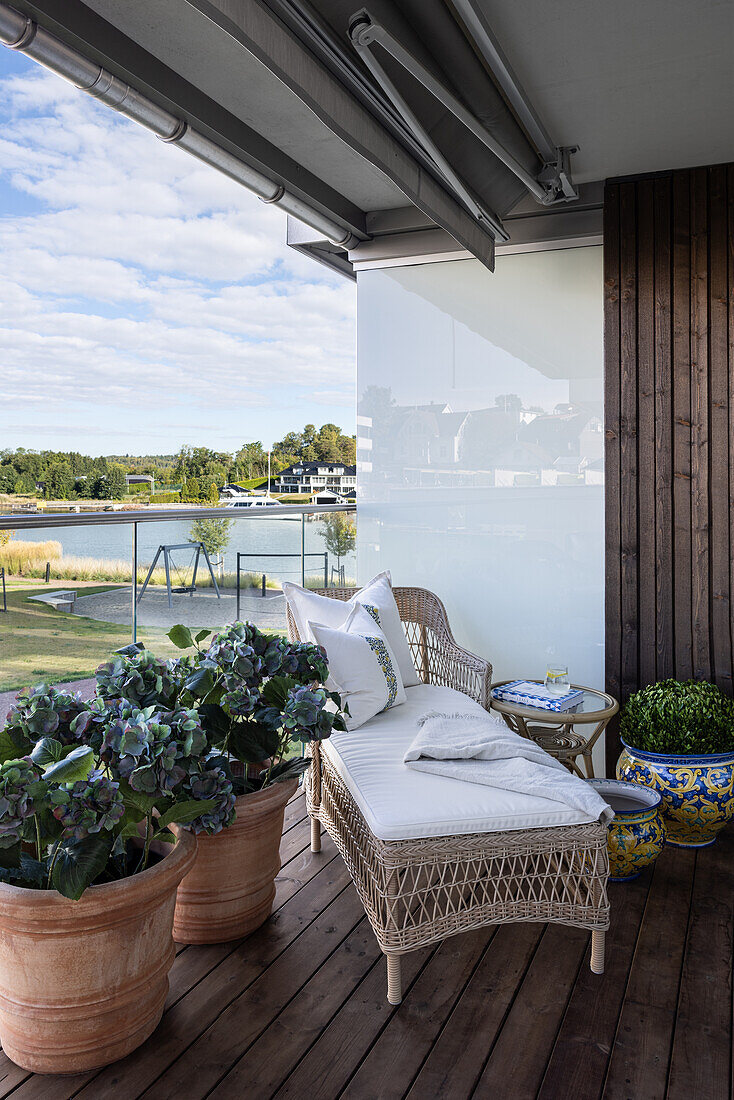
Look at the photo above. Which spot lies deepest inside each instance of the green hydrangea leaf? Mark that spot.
(12, 744)
(10, 857)
(77, 765)
(181, 813)
(77, 863)
(181, 637)
(277, 689)
(47, 751)
(251, 742)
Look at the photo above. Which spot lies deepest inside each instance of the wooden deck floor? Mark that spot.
(299, 1009)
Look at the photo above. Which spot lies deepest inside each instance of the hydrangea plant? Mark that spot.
(87, 787)
(259, 697)
(90, 795)
(679, 718)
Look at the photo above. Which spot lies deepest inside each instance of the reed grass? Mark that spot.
(23, 557)
(72, 568)
(28, 559)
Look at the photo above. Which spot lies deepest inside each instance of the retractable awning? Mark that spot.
(278, 87)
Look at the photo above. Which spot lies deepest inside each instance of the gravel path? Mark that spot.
(200, 609)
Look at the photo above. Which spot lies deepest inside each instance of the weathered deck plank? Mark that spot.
(641, 1053)
(577, 1066)
(298, 1009)
(459, 1055)
(542, 999)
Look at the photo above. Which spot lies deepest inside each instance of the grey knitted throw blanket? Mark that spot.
(481, 749)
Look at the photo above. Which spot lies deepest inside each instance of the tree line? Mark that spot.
(194, 473)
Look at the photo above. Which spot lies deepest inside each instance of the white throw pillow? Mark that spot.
(377, 596)
(362, 666)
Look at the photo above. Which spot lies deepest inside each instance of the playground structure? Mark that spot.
(197, 548)
(322, 555)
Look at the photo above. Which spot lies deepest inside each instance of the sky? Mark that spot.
(145, 300)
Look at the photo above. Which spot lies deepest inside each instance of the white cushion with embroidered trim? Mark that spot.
(308, 607)
(362, 666)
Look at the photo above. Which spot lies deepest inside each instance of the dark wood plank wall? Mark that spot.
(669, 392)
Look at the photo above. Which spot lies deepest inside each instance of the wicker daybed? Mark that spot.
(421, 889)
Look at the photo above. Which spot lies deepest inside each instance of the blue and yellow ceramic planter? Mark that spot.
(697, 791)
(636, 835)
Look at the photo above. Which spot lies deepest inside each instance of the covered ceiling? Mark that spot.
(639, 86)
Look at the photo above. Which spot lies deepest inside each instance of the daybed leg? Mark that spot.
(597, 952)
(315, 835)
(394, 981)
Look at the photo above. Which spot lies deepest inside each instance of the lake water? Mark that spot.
(256, 537)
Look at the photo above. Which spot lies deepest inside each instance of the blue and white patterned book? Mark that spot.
(527, 694)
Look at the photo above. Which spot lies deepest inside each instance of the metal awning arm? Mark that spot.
(551, 184)
(363, 32)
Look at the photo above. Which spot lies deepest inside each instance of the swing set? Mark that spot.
(170, 564)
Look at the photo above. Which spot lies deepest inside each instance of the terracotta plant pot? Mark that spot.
(230, 889)
(83, 983)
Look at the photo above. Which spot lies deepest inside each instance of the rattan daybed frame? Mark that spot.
(417, 892)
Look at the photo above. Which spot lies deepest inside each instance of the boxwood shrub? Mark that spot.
(679, 719)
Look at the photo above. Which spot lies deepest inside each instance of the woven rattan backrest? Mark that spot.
(419, 609)
(437, 657)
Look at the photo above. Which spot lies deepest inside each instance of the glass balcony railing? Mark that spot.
(79, 586)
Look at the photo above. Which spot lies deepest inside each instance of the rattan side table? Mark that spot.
(555, 731)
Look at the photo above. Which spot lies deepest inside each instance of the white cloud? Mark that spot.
(135, 270)
(333, 397)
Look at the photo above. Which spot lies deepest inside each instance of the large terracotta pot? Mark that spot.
(697, 791)
(83, 983)
(230, 889)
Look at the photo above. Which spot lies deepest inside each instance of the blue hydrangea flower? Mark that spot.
(21, 795)
(87, 806)
(235, 658)
(92, 726)
(43, 711)
(212, 782)
(304, 715)
(154, 751)
(141, 678)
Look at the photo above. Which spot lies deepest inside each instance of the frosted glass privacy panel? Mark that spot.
(480, 450)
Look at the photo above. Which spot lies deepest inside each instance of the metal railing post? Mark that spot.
(134, 586)
(238, 585)
(303, 549)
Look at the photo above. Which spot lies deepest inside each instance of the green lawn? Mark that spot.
(38, 643)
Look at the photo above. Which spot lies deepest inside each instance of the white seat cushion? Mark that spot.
(399, 804)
